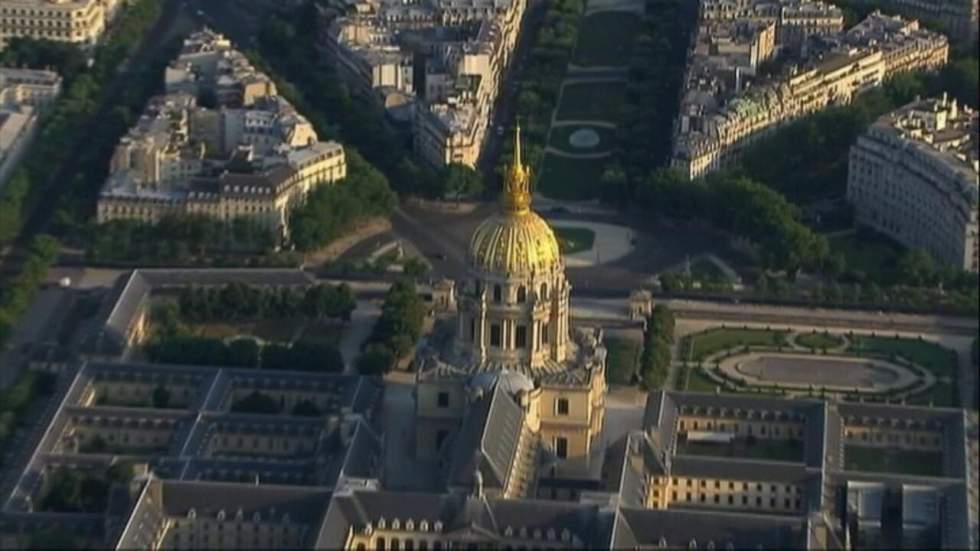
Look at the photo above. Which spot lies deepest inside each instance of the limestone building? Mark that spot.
(958, 18)
(24, 93)
(221, 143)
(79, 22)
(726, 106)
(913, 176)
(435, 64)
(512, 332)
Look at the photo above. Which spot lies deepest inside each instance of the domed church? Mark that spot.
(512, 337)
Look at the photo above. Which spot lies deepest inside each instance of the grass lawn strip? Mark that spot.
(606, 39)
(910, 462)
(570, 179)
(591, 101)
(715, 340)
(574, 240)
(818, 341)
(622, 359)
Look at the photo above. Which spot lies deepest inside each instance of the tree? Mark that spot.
(916, 266)
(460, 180)
(377, 359)
(416, 268)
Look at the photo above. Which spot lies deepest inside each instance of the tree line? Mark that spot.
(396, 331)
(315, 356)
(19, 291)
(59, 128)
(15, 399)
(240, 301)
(539, 83)
(657, 341)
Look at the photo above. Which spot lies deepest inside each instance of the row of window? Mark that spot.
(731, 485)
(730, 500)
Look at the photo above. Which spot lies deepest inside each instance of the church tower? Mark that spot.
(513, 308)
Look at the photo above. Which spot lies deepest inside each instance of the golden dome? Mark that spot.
(515, 241)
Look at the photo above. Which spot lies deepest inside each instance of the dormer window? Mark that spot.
(381, 523)
(396, 524)
(409, 525)
(424, 525)
(509, 532)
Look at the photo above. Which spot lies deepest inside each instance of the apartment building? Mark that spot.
(724, 109)
(24, 93)
(958, 18)
(436, 65)
(913, 176)
(79, 22)
(220, 143)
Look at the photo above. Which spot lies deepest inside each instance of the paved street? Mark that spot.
(357, 331)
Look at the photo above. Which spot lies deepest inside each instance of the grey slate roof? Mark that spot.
(487, 441)
(303, 505)
(742, 531)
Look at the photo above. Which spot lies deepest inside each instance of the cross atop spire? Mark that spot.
(516, 196)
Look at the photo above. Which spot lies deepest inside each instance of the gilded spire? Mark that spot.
(516, 197)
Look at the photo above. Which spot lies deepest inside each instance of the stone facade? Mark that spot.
(913, 176)
(461, 48)
(79, 22)
(723, 111)
(251, 155)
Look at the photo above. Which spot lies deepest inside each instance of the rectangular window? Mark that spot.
(472, 330)
(561, 447)
(495, 335)
(520, 337)
(561, 406)
(545, 333)
(442, 399)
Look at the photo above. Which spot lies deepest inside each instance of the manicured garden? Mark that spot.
(569, 178)
(573, 240)
(819, 341)
(910, 462)
(591, 101)
(923, 355)
(705, 344)
(747, 448)
(561, 136)
(606, 39)
(621, 360)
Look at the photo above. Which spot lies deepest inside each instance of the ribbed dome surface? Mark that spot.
(514, 244)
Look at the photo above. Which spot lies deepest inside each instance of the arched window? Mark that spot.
(361, 547)
(544, 291)
(379, 544)
(395, 544)
(521, 294)
(497, 293)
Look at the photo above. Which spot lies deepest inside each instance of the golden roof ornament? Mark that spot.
(516, 196)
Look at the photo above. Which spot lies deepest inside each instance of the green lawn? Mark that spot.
(940, 361)
(560, 136)
(570, 179)
(706, 270)
(621, 361)
(574, 240)
(591, 101)
(766, 450)
(272, 330)
(877, 257)
(715, 340)
(698, 381)
(819, 341)
(606, 39)
(890, 460)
